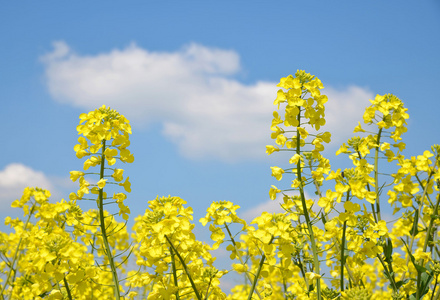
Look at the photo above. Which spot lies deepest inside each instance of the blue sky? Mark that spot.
(197, 80)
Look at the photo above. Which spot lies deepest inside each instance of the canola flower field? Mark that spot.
(58, 251)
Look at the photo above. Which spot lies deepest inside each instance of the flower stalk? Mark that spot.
(102, 225)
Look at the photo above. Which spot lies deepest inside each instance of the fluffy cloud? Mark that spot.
(15, 177)
(344, 110)
(274, 206)
(203, 109)
(270, 206)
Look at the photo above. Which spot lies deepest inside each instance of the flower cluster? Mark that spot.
(183, 266)
(41, 259)
(108, 134)
(335, 239)
(105, 138)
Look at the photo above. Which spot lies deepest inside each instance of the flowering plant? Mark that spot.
(334, 245)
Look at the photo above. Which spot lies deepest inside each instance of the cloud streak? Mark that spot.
(15, 177)
(192, 92)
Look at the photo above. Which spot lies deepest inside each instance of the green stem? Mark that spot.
(344, 229)
(284, 281)
(285, 288)
(428, 235)
(324, 218)
(413, 235)
(437, 295)
(260, 266)
(185, 268)
(107, 251)
(318, 190)
(301, 267)
(14, 260)
(66, 285)
(427, 195)
(305, 210)
(173, 263)
(368, 188)
(376, 175)
(393, 283)
(435, 286)
(207, 289)
(431, 222)
(342, 255)
(239, 256)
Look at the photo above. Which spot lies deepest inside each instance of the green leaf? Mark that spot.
(390, 277)
(426, 280)
(323, 219)
(415, 228)
(401, 282)
(413, 260)
(419, 268)
(388, 251)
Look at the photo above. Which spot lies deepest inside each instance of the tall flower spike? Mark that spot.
(304, 112)
(105, 140)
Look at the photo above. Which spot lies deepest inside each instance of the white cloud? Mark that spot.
(274, 206)
(15, 177)
(344, 110)
(270, 206)
(191, 92)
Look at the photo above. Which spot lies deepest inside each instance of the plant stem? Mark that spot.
(413, 234)
(185, 268)
(16, 251)
(342, 255)
(260, 266)
(324, 218)
(437, 295)
(66, 285)
(376, 175)
(285, 288)
(435, 286)
(368, 188)
(428, 234)
(173, 263)
(107, 251)
(393, 283)
(207, 289)
(239, 256)
(305, 210)
(431, 222)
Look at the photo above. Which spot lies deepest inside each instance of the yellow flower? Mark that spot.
(312, 276)
(281, 97)
(126, 185)
(109, 153)
(358, 128)
(327, 201)
(101, 183)
(303, 133)
(273, 192)
(126, 156)
(294, 159)
(342, 149)
(277, 172)
(352, 207)
(281, 140)
(271, 149)
(74, 175)
(117, 174)
(419, 254)
(239, 268)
